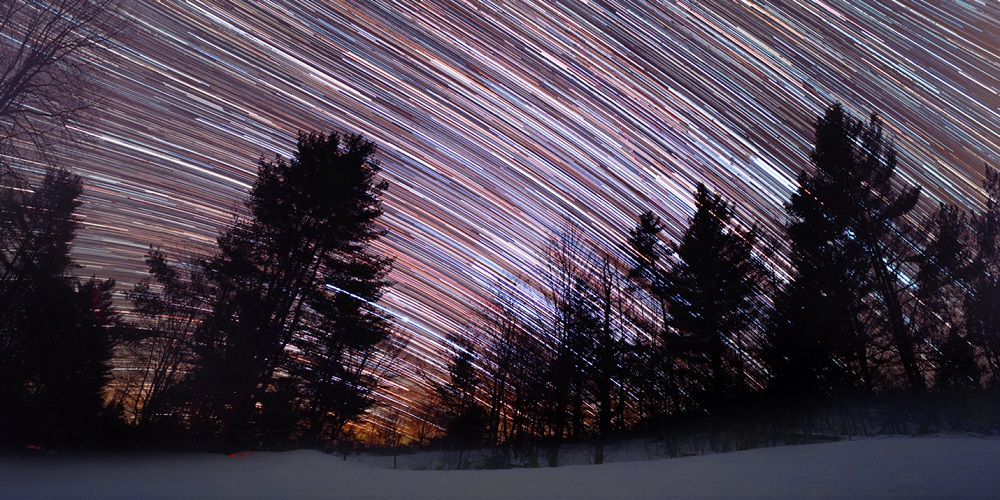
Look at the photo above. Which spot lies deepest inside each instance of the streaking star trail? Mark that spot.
(501, 122)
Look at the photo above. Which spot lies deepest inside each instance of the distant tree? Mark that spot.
(387, 433)
(713, 298)
(55, 331)
(462, 415)
(294, 291)
(45, 73)
(849, 238)
(425, 411)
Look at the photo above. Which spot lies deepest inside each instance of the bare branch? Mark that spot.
(48, 54)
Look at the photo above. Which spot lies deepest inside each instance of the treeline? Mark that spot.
(275, 339)
(865, 295)
(272, 341)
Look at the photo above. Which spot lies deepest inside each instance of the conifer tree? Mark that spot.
(982, 305)
(55, 339)
(712, 297)
(848, 234)
(463, 417)
(659, 355)
(945, 266)
(295, 274)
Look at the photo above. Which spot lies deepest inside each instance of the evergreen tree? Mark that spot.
(713, 299)
(849, 241)
(295, 273)
(463, 417)
(659, 355)
(944, 268)
(982, 307)
(55, 339)
(651, 255)
(957, 366)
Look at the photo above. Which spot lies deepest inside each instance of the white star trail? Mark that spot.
(501, 122)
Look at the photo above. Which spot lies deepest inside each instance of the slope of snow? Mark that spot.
(898, 466)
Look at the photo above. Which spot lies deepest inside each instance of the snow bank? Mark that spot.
(897, 466)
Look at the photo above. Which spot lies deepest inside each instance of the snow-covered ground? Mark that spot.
(896, 466)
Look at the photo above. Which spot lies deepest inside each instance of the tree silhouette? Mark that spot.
(848, 236)
(609, 348)
(982, 307)
(54, 329)
(712, 298)
(513, 363)
(660, 355)
(945, 266)
(44, 82)
(169, 306)
(571, 332)
(592, 326)
(294, 274)
(462, 415)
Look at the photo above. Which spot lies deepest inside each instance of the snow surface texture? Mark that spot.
(894, 466)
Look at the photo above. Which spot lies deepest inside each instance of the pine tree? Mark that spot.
(463, 417)
(295, 274)
(849, 241)
(659, 354)
(944, 267)
(982, 307)
(55, 339)
(712, 297)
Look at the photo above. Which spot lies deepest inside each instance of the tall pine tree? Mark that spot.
(982, 305)
(945, 266)
(294, 288)
(848, 234)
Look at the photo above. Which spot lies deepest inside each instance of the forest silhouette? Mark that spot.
(870, 313)
(275, 340)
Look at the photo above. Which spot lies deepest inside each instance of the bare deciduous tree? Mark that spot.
(48, 51)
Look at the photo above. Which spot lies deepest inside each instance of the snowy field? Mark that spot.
(894, 466)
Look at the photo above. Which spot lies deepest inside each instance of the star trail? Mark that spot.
(500, 123)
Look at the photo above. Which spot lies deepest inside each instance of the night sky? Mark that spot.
(500, 123)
